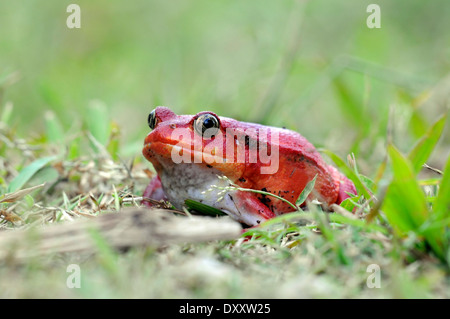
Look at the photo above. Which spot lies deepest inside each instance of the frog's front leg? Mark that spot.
(154, 191)
(250, 210)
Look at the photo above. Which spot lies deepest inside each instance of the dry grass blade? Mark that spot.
(15, 196)
(129, 228)
(437, 171)
(342, 211)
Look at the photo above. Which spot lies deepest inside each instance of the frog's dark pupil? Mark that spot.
(208, 123)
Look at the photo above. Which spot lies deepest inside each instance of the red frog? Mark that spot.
(191, 152)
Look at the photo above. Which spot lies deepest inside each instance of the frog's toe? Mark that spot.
(251, 211)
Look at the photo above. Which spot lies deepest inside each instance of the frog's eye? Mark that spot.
(152, 120)
(207, 125)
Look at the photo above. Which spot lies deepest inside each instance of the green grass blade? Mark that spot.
(405, 203)
(368, 183)
(97, 121)
(441, 207)
(203, 208)
(306, 191)
(53, 128)
(350, 203)
(337, 218)
(74, 149)
(6, 113)
(28, 172)
(423, 148)
(349, 173)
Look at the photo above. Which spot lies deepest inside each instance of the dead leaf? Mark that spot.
(10, 216)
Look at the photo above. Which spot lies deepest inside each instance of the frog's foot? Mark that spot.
(249, 209)
(154, 191)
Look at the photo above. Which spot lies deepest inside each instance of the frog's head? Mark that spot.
(209, 140)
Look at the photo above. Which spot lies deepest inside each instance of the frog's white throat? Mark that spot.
(201, 183)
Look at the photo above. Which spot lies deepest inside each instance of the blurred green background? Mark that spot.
(311, 66)
(314, 67)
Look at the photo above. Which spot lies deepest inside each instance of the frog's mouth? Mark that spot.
(163, 153)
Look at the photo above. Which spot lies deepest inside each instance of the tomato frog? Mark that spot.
(192, 153)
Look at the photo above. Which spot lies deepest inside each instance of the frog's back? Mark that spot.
(298, 162)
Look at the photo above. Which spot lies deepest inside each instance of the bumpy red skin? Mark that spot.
(299, 162)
